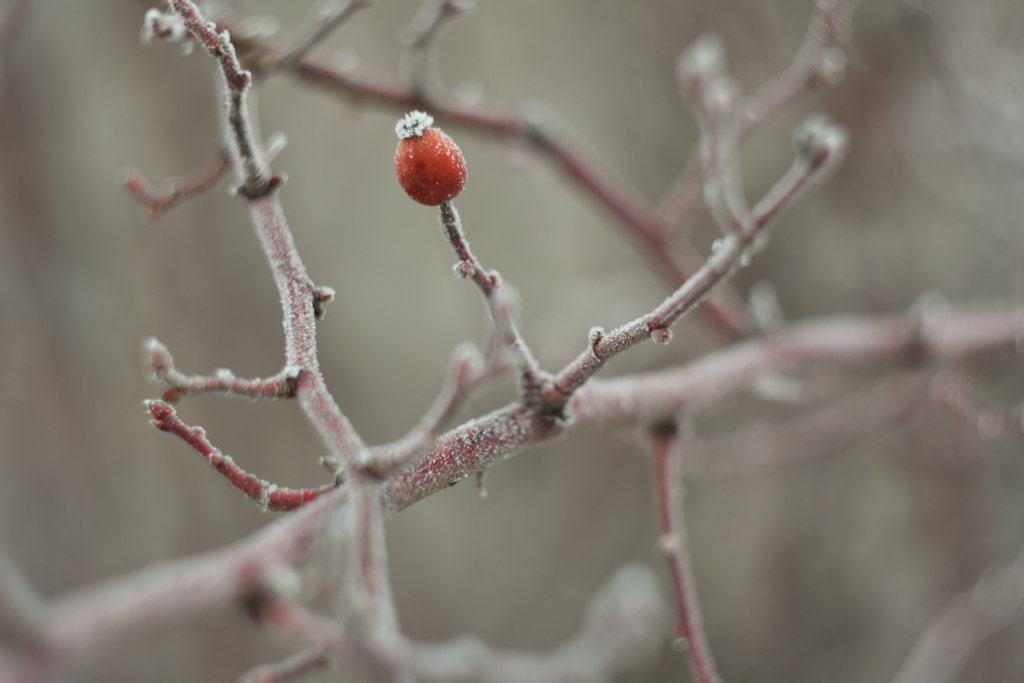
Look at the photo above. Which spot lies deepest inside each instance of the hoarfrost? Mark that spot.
(266, 491)
(413, 124)
(164, 25)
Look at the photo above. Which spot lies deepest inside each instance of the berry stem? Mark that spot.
(530, 375)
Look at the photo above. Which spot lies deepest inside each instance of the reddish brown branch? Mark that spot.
(300, 299)
(79, 624)
(842, 341)
(530, 375)
(689, 631)
(161, 201)
(635, 216)
(819, 145)
(269, 496)
(327, 17)
(467, 370)
(218, 44)
(995, 602)
(281, 385)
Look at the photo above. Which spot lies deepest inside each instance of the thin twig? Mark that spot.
(255, 178)
(995, 602)
(621, 627)
(161, 363)
(819, 146)
(269, 496)
(823, 428)
(82, 622)
(668, 492)
(159, 202)
(298, 293)
(530, 375)
(819, 61)
(634, 215)
(835, 342)
(421, 34)
(467, 369)
(326, 18)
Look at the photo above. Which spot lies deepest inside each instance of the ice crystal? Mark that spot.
(413, 124)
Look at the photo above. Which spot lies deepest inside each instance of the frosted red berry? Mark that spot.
(429, 165)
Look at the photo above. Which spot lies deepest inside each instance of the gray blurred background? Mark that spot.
(822, 571)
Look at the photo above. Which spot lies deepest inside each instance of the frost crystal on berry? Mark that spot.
(413, 124)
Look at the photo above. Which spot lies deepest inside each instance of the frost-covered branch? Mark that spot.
(489, 282)
(838, 342)
(820, 61)
(826, 425)
(995, 602)
(269, 496)
(160, 201)
(161, 363)
(635, 215)
(622, 627)
(467, 369)
(421, 34)
(689, 628)
(300, 298)
(83, 622)
(818, 148)
(328, 16)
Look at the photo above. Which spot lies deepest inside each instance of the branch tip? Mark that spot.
(820, 142)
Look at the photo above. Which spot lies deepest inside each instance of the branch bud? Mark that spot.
(819, 142)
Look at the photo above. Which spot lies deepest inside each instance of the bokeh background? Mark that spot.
(823, 570)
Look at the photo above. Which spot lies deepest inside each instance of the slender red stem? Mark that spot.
(269, 496)
(689, 631)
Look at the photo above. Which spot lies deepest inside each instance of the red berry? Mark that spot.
(429, 165)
